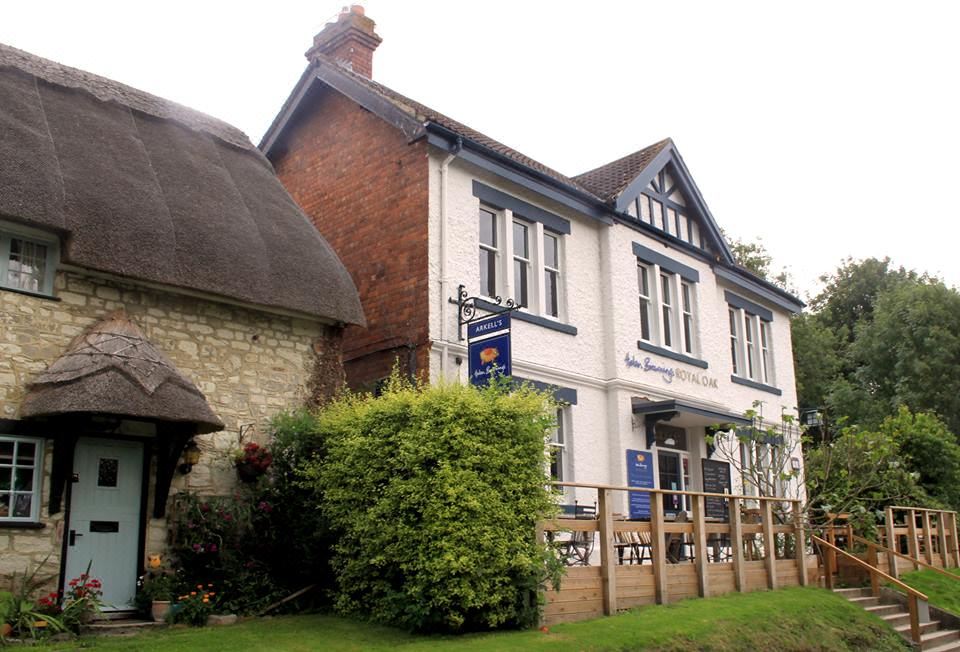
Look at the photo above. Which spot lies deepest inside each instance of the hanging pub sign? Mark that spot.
(488, 348)
(639, 474)
(716, 480)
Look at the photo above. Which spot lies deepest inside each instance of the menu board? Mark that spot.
(716, 480)
(639, 474)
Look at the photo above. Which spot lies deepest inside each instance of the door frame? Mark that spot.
(148, 444)
(681, 455)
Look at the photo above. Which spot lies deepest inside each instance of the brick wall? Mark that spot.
(366, 190)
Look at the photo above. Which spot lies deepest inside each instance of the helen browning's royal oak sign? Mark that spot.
(667, 373)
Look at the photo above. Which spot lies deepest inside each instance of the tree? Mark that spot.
(909, 354)
(929, 450)
(817, 358)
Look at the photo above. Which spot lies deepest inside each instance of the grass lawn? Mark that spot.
(942, 591)
(790, 619)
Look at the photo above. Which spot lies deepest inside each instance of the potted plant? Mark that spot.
(253, 461)
(156, 594)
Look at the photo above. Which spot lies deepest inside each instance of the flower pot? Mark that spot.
(248, 472)
(5, 630)
(159, 610)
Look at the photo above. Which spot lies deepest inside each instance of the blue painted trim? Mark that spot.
(778, 298)
(673, 355)
(669, 264)
(746, 382)
(562, 394)
(739, 302)
(659, 407)
(500, 199)
(519, 315)
(502, 166)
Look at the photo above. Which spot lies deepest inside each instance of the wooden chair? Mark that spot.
(677, 543)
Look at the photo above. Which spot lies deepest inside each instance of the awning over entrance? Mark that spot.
(113, 370)
(682, 414)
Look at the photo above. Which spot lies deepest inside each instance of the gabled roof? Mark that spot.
(417, 114)
(113, 369)
(144, 188)
(600, 192)
(608, 181)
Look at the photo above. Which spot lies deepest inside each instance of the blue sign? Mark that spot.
(640, 474)
(488, 326)
(488, 349)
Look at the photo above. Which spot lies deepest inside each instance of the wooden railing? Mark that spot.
(917, 602)
(922, 537)
(718, 555)
(873, 558)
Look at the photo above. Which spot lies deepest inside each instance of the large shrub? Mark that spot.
(434, 494)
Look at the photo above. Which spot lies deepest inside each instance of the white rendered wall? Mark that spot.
(601, 300)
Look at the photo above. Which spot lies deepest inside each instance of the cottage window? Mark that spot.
(21, 474)
(27, 260)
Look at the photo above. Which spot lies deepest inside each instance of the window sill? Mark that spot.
(36, 295)
(673, 355)
(21, 525)
(746, 382)
(519, 315)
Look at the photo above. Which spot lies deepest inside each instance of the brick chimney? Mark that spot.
(350, 41)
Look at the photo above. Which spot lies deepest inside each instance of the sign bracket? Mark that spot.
(467, 309)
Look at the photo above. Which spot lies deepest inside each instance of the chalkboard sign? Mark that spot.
(716, 480)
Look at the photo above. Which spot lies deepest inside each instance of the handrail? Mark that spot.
(913, 596)
(670, 492)
(907, 557)
(922, 509)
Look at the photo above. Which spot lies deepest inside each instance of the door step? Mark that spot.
(120, 626)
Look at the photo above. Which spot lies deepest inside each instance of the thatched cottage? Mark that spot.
(159, 291)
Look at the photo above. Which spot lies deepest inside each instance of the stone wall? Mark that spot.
(250, 364)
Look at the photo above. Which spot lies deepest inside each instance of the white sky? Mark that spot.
(828, 129)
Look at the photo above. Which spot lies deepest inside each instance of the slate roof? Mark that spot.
(608, 181)
(112, 368)
(142, 187)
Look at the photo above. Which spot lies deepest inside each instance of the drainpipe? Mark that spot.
(444, 281)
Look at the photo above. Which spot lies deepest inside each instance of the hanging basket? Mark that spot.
(248, 472)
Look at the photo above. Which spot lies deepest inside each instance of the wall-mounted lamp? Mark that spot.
(669, 441)
(191, 456)
(795, 464)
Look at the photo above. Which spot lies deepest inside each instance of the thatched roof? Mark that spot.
(113, 369)
(145, 188)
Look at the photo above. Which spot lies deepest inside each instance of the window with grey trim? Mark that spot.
(558, 448)
(667, 309)
(26, 263)
(662, 204)
(521, 259)
(21, 476)
(751, 346)
(488, 252)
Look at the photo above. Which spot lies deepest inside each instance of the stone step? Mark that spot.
(897, 619)
(952, 646)
(120, 627)
(925, 628)
(865, 601)
(852, 593)
(941, 637)
(884, 609)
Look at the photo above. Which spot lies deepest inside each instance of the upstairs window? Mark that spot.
(668, 309)
(663, 205)
(751, 354)
(488, 252)
(520, 259)
(27, 261)
(558, 449)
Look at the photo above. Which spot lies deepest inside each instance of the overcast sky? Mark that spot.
(826, 129)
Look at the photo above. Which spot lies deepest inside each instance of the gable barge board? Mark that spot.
(762, 289)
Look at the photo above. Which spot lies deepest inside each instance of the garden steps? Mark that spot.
(932, 637)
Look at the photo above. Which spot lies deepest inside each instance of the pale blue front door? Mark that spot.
(104, 530)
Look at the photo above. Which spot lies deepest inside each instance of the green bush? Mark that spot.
(434, 494)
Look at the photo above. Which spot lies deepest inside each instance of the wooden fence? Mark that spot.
(618, 564)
